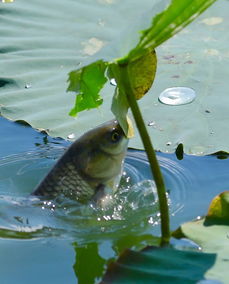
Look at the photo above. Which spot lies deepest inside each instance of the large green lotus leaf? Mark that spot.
(211, 233)
(198, 58)
(42, 41)
(212, 239)
(164, 265)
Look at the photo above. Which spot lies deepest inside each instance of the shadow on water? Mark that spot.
(130, 218)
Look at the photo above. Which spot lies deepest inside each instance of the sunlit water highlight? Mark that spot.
(177, 96)
(133, 208)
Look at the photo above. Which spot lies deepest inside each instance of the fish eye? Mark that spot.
(115, 136)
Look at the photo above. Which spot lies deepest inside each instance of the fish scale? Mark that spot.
(65, 179)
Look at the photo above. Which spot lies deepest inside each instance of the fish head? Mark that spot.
(102, 156)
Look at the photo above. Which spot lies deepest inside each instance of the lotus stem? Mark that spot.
(155, 168)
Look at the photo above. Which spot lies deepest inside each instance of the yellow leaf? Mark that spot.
(219, 207)
(142, 72)
(130, 132)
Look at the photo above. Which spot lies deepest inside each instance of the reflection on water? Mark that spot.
(87, 256)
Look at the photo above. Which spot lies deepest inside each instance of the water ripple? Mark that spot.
(177, 178)
(134, 207)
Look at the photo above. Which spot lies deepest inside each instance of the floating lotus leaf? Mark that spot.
(41, 42)
(211, 234)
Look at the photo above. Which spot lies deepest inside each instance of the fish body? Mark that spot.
(92, 163)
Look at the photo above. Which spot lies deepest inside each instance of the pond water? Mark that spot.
(61, 241)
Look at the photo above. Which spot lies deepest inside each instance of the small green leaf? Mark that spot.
(74, 81)
(87, 82)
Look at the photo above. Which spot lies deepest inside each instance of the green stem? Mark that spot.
(155, 168)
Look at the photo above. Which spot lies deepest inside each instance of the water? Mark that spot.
(52, 239)
(177, 96)
(113, 82)
(20, 173)
(28, 86)
(134, 205)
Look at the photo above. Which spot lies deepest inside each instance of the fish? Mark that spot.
(91, 164)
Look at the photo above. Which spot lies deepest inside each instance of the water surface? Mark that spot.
(54, 239)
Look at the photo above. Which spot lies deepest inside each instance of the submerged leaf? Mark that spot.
(164, 265)
(87, 82)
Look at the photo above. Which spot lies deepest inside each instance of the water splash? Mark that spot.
(71, 136)
(30, 217)
(133, 207)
